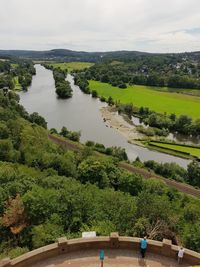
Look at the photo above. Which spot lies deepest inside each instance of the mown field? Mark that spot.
(72, 65)
(139, 95)
(193, 151)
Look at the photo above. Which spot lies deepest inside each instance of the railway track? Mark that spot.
(181, 187)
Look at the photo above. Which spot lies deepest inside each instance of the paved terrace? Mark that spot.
(119, 252)
(113, 258)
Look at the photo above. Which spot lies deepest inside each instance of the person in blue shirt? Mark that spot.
(143, 246)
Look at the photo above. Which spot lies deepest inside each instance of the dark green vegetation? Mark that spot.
(16, 73)
(182, 124)
(82, 82)
(117, 152)
(116, 56)
(46, 192)
(175, 172)
(63, 88)
(5, 76)
(171, 70)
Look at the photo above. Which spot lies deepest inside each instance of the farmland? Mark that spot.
(72, 65)
(139, 95)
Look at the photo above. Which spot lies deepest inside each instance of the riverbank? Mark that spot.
(113, 120)
(127, 128)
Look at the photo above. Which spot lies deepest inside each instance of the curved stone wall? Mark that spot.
(114, 241)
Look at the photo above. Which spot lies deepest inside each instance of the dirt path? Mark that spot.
(184, 188)
(63, 143)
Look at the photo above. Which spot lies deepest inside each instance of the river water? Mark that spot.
(81, 113)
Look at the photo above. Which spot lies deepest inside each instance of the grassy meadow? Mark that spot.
(159, 101)
(17, 84)
(72, 65)
(193, 151)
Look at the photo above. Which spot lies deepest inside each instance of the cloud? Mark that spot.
(100, 25)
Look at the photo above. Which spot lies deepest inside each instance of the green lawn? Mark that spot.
(148, 97)
(72, 65)
(191, 150)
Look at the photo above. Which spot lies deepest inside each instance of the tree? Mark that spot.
(103, 228)
(110, 101)
(64, 132)
(94, 93)
(128, 108)
(63, 89)
(14, 216)
(91, 170)
(194, 173)
(40, 203)
(36, 118)
(4, 131)
(191, 236)
(7, 152)
(183, 124)
(45, 234)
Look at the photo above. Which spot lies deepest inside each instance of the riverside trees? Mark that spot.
(63, 87)
(151, 70)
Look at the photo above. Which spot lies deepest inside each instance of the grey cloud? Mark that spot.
(100, 25)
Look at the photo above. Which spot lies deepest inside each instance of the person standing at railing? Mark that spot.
(143, 246)
(180, 255)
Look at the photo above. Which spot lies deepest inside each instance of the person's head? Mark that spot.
(144, 237)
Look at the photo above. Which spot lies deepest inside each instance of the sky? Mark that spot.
(100, 25)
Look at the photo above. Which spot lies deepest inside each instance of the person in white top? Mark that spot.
(180, 254)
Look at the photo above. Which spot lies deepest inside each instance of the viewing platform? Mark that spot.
(119, 252)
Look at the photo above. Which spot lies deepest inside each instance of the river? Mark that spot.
(81, 113)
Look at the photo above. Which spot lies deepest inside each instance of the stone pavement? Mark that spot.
(113, 258)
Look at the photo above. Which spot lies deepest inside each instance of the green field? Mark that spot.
(14, 65)
(17, 84)
(194, 92)
(72, 65)
(193, 151)
(148, 97)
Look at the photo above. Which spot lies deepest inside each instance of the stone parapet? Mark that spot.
(114, 241)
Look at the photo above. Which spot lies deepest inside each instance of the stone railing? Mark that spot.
(114, 241)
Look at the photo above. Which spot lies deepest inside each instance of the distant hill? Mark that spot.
(70, 55)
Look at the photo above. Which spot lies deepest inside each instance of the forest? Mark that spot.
(16, 71)
(174, 71)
